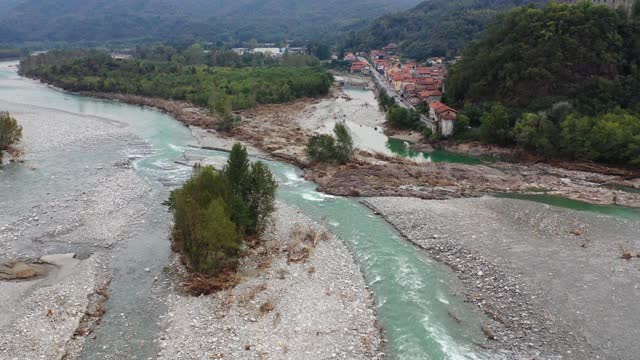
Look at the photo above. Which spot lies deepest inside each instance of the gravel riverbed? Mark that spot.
(53, 205)
(552, 279)
(316, 309)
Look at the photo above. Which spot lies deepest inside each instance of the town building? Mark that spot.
(443, 116)
(360, 67)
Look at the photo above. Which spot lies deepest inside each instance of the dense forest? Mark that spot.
(563, 80)
(191, 75)
(433, 28)
(97, 21)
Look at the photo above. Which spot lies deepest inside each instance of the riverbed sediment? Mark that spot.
(553, 280)
(62, 199)
(316, 308)
(282, 130)
(78, 191)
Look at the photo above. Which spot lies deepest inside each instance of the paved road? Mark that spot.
(391, 92)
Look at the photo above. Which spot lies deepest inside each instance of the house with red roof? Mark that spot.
(430, 96)
(360, 67)
(444, 117)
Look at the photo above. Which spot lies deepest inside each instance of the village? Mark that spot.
(413, 86)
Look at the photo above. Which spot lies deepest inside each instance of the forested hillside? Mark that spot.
(561, 80)
(433, 28)
(175, 20)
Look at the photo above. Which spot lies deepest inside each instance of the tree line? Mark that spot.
(559, 81)
(185, 77)
(432, 28)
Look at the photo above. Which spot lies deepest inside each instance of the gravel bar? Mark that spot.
(318, 309)
(553, 280)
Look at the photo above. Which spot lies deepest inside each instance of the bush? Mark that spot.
(326, 148)
(496, 126)
(10, 134)
(537, 133)
(402, 118)
(427, 133)
(214, 210)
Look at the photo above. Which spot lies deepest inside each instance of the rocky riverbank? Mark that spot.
(282, 130)
(554, 281)
(75, 193)
(295, 301)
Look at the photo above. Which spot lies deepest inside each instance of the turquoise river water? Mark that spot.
(411, 292)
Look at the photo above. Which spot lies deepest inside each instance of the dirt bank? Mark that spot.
(553, 280)
(282, 130)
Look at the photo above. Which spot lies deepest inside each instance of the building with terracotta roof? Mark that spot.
(444, 117)
(360, 67)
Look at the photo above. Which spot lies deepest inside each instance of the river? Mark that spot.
(411, 292)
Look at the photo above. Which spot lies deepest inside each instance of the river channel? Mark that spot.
(412, 293)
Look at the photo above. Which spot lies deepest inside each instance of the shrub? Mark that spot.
(321, 148)
(326, 148)
(402, 118)
(10, 134)
(496, 126)
(427, 133)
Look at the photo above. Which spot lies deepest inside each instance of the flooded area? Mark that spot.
(93, 182)
(136, 247)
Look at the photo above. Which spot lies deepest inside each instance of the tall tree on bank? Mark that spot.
(10, 134)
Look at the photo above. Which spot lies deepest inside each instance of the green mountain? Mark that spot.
(432, 28)
(167, 20)
(573, 70)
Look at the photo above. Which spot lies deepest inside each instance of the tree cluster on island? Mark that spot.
(216, 211)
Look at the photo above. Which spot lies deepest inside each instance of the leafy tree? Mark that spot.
(385, 101)
(432, 28)
(237, 173)
(10, 133)
(261, 197)
(321, 148)
(561, 51)
(427, 134)
(537, 133)
(611, 137)
(203, 230)
(344, 143)
(402, 118)
(214, 210)
(326, 148)
(496, 126)
(221, 89)
(461, 125)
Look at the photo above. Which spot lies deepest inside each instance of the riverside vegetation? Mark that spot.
(10, 136)
(189, 76)
(215, 211)
(559, 81)
(326, 148)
